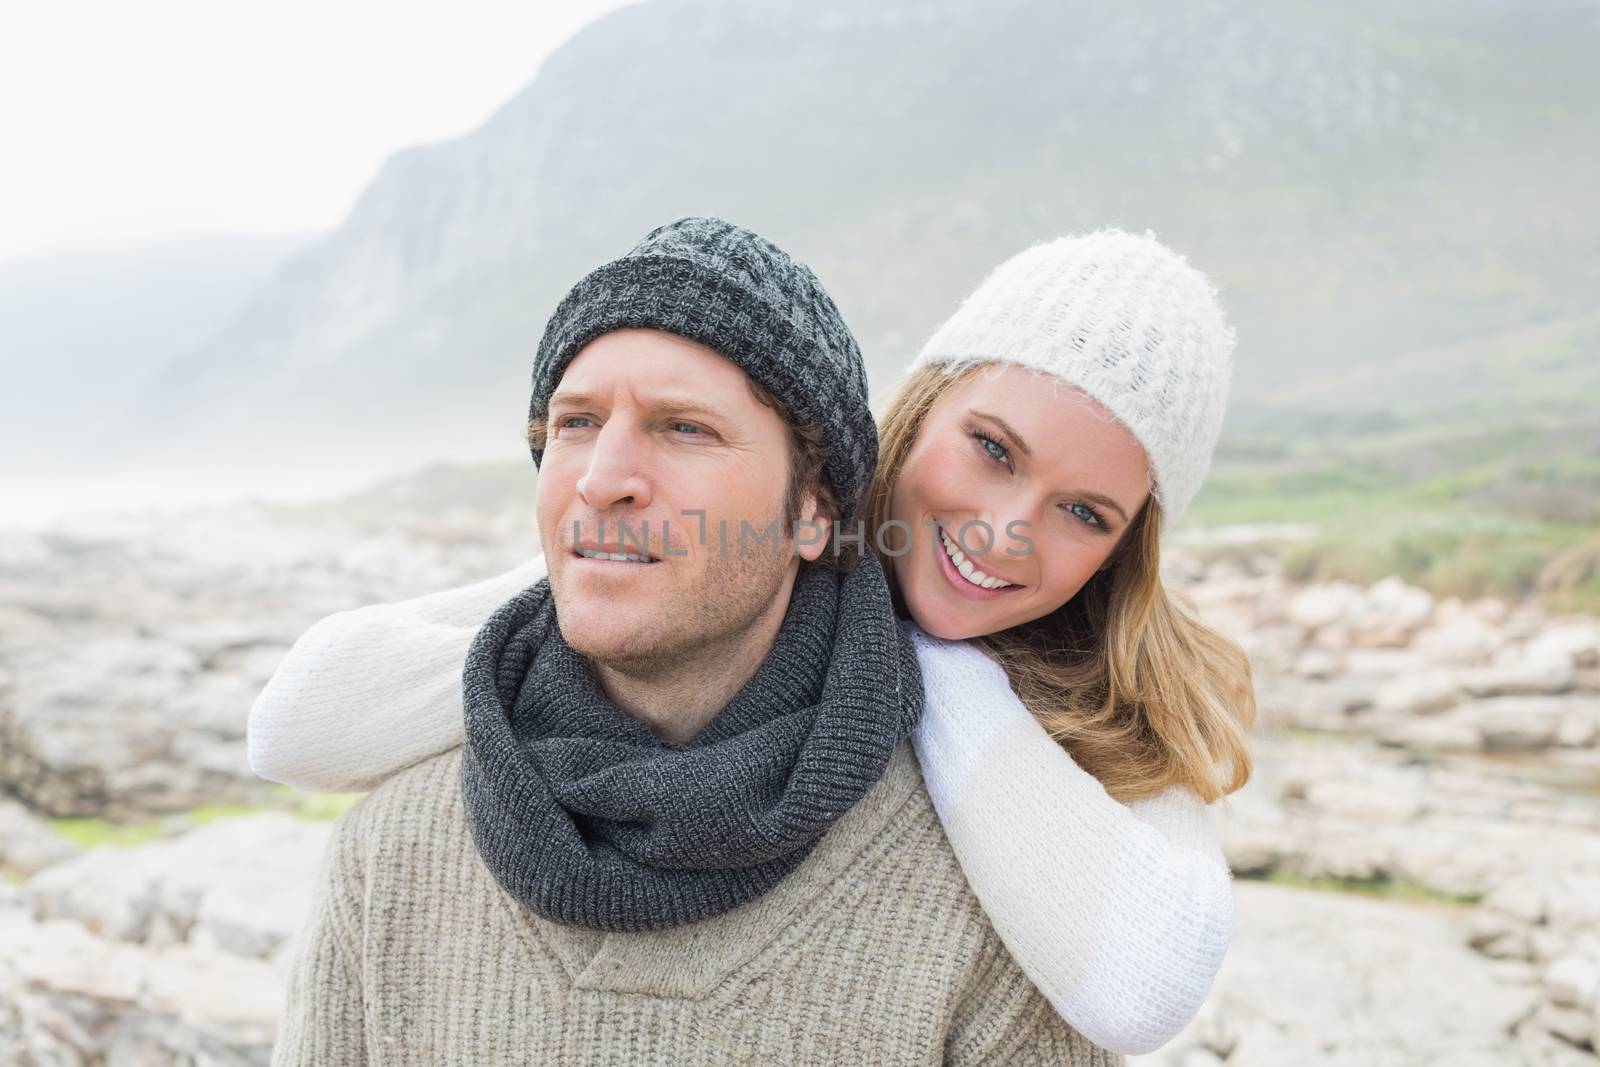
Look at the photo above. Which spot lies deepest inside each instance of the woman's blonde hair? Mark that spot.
(1140, 692)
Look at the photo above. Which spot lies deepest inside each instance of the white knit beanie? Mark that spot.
(1125, 319)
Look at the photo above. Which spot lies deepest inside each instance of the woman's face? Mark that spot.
(1031, 481)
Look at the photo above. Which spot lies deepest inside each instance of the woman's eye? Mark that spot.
(1087, 514)
(995, 449)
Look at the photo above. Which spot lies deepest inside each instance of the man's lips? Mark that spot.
(613, 551)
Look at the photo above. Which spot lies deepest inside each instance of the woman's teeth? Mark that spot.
(964, 565)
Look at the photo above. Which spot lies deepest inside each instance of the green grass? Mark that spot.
(89, 832)
(1475, 505)
(1382, 888)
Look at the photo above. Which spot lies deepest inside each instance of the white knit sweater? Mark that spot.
(1119, 913)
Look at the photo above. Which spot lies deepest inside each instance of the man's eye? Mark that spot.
(687, 427)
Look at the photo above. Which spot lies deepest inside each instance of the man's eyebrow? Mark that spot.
(1022, 446)
(667, 405)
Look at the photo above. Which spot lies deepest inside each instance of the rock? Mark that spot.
(1307, 972)
(1500, 942)
(1580, 723)
(1461, 641)
(1491, 610)
(1514, 972)
(1317, 606)
(222, 645)
(1325, 706)
(253, 666)
(1520, 897)
(241, 885)
(1569, 1024)
(1517, 724)
(1419, 694)
(1572, 903)
(1341, 850)
(214, 706)
(79, 741)
(1449, 732)
(1389, 613)
(1577, 642)
(1316, 664)
(215, 992)
(1377, 665)
(27, 843)
(89, 1001)
(1359, 799)
(1572, 982)
(1519, 676)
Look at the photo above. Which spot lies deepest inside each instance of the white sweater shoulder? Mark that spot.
(370, 691)
(1120, 914)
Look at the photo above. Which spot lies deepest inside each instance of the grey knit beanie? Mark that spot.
(738, 293)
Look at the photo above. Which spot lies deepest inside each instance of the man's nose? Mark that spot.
(617, 471)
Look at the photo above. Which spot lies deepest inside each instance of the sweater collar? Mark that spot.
(586, 818)
(690, 960)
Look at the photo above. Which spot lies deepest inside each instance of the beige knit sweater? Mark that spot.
(872, 951)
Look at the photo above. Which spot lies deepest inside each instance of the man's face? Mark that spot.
(645, 430)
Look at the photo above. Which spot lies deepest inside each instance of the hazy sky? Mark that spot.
(162, 118)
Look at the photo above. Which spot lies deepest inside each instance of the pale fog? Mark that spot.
(254, 379)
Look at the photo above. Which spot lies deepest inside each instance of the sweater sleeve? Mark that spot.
(324, 1018)
(370, 691)
(1120, 914)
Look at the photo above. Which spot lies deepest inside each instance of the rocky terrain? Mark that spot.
(1417, 856)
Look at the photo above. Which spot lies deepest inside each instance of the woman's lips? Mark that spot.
(947, 567)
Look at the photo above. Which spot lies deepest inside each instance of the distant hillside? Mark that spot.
(86, 328)
(1395, 199)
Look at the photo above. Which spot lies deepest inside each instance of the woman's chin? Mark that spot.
(944, 621)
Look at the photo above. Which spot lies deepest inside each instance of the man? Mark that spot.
(686, 825)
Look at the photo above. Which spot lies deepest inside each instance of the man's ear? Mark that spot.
(813, 529)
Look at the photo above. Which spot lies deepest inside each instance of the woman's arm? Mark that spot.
(1119, 913)
(367, 692)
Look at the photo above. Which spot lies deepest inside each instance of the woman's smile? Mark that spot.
(964, 574)
(1008, 449)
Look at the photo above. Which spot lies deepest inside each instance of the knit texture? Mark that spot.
(1121, 922)
(586, 817)
(740, 294)
(872, 951)
(1121, 915)
(1125, 319)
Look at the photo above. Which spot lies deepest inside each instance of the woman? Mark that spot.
(1079, 722)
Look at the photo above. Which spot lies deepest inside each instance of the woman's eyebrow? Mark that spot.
(1016, 438)
(1101, 498)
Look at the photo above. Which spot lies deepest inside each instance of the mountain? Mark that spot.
(1395, 200)
(86, 327)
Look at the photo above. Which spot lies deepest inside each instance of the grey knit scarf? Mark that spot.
(587, 818)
